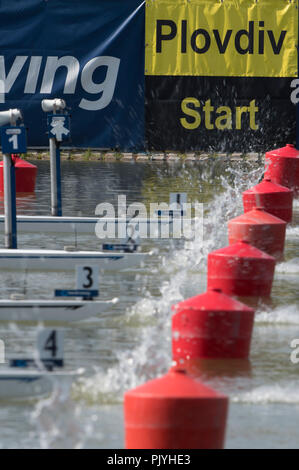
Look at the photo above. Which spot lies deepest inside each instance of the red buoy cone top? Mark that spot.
(258, 216)
(263, 230)
(267, 186)
(288, 151)
(282, 166)
(211, 301)
(175, 384)
(242, 249)
(274, 198)
(25, 175)
(174, 412)
(19, 163)
(211, 325)
(241, 269)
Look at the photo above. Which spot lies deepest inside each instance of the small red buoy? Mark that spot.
(263, 230)
(211, 325)
(274, 198)
(242, 270)
(25, 175)
(282, 166)
(175, 412)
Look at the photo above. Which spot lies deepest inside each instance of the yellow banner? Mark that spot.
(238, 38)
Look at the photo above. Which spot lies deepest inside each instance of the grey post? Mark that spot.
(53, 106)
(53, 172)
(10, 224)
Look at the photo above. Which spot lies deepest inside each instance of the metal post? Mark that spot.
(56, 206)
(13, 204)
(9, 203)
(58, 177)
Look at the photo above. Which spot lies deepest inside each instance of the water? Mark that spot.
(131, 343)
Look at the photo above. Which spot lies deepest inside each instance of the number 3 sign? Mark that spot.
(87, 277)
(13, 140)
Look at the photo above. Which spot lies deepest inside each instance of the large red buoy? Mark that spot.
(211, 325)
(174, 412)
(263, 230)
(242, 270)
(274, 198)
(25, 175)
(282, 166)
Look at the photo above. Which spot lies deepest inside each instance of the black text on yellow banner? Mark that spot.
(233, 38)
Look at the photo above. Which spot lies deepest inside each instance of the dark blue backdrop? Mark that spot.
(96, 41)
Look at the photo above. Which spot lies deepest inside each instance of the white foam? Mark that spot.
(296, 202)
(287, 315)
(288, 267)
(274, 393)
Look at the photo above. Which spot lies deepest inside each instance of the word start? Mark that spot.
(222, 117)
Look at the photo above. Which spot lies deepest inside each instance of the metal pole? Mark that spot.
(13, 204)
(56, 207)
(53, 172)
(58, 174)
(9, 203)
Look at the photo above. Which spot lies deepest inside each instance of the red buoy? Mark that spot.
(25, 175)
(211, 325)
(174, 412)
(282, 166)
(274, 198)
(263, 230)
(242, 270)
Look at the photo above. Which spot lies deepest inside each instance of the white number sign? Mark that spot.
(87, 277)
(50, 344)
(14, 140)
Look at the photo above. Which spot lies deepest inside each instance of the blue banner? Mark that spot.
(90, 53)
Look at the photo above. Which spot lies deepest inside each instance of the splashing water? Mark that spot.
(152, 356)
(285, 315)
(63, 428)
(292, 232)
(288, 267)
(277, 393)
(63, 422)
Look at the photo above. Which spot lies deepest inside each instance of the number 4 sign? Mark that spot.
(87, 277)
(50, 344)
(13, 140)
